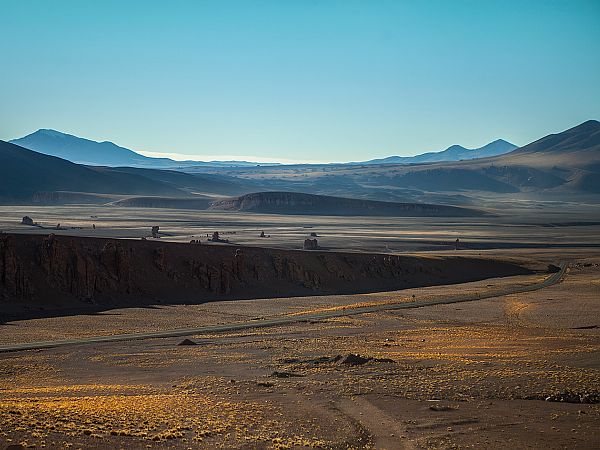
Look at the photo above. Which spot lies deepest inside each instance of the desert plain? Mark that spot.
(480, 364)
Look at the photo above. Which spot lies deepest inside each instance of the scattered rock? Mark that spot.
(553, 269)
(187, 342)
(354, 360)
(27, 221)
(384, 360)
(443, 408)
(265, 384)
(216, 238)
(286, 375)
(574, 397)
(311, 244)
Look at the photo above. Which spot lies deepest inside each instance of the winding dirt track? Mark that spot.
(264, 323)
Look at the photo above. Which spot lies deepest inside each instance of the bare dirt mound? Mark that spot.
(62, 271)
(311, 204)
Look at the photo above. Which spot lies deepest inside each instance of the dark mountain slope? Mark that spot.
(24, 172)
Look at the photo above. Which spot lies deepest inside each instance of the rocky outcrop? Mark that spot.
(61, 269)
(310, 244)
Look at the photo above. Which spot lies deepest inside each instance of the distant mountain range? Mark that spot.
(86, 151)
(565, 164)
(453, 153)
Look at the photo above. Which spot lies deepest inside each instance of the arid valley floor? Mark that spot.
(508, 371)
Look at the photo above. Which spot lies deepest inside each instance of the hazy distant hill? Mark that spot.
(85, 151)
(565, 164)
(576, 147)
(24, 174)
(453, 153)
(298, 203)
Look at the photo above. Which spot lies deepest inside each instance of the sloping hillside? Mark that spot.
(26, 175)
(24, 172)
(85, 151)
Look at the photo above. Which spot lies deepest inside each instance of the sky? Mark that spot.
(298, 80)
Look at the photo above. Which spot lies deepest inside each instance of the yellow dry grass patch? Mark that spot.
(140, 413)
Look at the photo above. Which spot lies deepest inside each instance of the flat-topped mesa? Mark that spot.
(310, 204)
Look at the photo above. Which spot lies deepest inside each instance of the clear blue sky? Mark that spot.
(298, 80)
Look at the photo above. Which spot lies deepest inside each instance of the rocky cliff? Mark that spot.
(58, 271)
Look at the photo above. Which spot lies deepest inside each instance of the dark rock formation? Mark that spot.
(155, 233)
(310, 244)
(553, 269)
(58, 271)
(216, 238)
(354, 360)
(27, 221)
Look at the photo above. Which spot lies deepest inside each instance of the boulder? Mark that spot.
(27, 221)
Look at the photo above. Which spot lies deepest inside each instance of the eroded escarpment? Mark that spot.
(48, 269)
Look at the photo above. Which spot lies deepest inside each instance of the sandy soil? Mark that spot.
(461, 376)
(468, 375)
(512, 228)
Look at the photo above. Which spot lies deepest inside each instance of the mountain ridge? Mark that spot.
(103, 153)
(453, 153)
(106, 153)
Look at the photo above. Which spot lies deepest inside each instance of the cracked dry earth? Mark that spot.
(468, 375)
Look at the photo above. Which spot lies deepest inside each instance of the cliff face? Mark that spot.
(57, 270)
